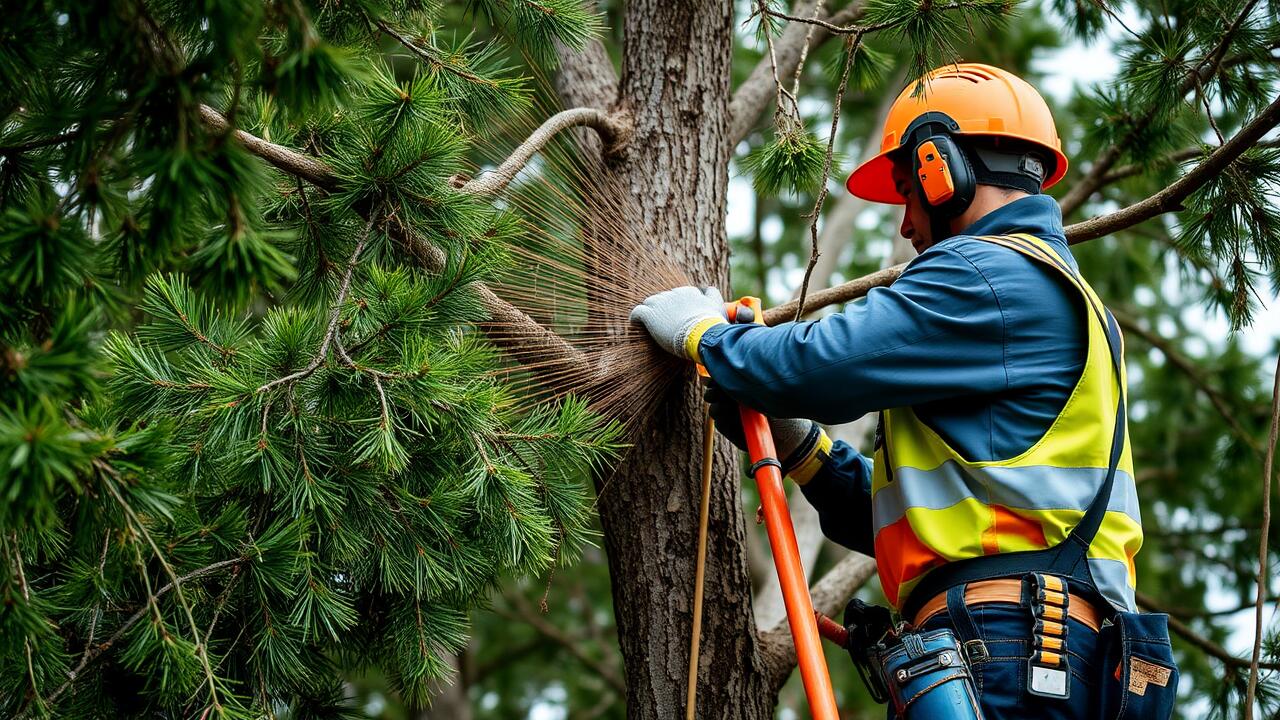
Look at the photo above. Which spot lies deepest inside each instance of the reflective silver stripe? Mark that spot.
(1037, 487)
(1112, 579)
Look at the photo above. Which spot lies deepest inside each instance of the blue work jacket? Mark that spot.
(984, 344)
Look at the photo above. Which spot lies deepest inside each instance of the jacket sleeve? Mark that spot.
(936, 333)
(839, 488)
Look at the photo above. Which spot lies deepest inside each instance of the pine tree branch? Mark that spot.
(753, 95)
(36, 144)
(612, 128)
(1267, 468)
(1167, 200)
(1124, 172)
(510, 327)
(201, 649)
(1184, 365)
(776, 649)
(426, 54)
(1095, 179)
(335, 314)
(284, 159)
(1209, 647)
(1170, 199)
(91, 654)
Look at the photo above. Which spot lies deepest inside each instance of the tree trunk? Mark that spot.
(675, 83)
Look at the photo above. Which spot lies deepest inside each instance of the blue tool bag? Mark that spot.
(928, 677)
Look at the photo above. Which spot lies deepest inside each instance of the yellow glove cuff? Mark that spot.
(808, 466)
(695, 336)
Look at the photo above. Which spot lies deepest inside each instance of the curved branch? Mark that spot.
(1186, 367)
(777, 651)
(754, 94)
(613, 130)
(1209, 647)
(512, 329)
(1170, 198)
(284, 159)
(1167, 200)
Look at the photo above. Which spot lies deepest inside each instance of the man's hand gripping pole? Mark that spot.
(767, 471)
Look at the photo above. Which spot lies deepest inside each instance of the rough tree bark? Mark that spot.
(675, 84)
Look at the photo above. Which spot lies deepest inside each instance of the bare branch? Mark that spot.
(753, 95)
(1187, 367)
(1167, 200)
(840, 293)
(1125, 172)
(613, 130)
(1267, 467)
(776, 649)
(294, 163)
(511, 328)
(526, 614)
(1170, 198)
(851, 52)
(1189, 634)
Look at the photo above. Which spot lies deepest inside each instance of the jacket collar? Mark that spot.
(1037, 215)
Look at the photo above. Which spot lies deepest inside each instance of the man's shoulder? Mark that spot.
(992, 260)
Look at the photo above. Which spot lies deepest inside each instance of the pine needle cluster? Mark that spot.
(252, 439)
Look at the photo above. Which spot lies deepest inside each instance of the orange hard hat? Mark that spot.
(983, 101)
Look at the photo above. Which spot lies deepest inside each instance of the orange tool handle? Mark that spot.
(786, 555)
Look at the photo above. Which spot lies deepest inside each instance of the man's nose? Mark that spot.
(907, 229)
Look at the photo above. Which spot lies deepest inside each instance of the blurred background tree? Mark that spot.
(244, 419)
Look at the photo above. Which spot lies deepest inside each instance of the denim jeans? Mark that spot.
(1000, 680)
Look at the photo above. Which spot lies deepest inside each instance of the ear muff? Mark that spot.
(941, 174)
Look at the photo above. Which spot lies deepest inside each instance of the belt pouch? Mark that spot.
(1140, 679)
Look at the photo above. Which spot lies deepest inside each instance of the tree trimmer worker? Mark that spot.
(1000, 504)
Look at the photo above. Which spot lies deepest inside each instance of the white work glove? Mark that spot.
(677, 318)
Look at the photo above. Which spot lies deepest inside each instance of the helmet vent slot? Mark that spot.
(966, 74)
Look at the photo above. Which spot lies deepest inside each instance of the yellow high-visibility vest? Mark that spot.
(932, 506)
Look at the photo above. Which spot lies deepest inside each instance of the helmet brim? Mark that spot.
(873, 179)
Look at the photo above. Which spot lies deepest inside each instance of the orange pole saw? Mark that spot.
(767, 471)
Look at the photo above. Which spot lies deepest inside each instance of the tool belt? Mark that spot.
(1007, 590)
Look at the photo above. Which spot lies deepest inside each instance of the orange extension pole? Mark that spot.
(786, 554)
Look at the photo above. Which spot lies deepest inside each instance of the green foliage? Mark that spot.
(933, 31)
(538, 24)
(792, 160)
(251, 438)
(1235, 220)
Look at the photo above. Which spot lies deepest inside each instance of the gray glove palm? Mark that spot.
(672, 316)
(788, 433)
